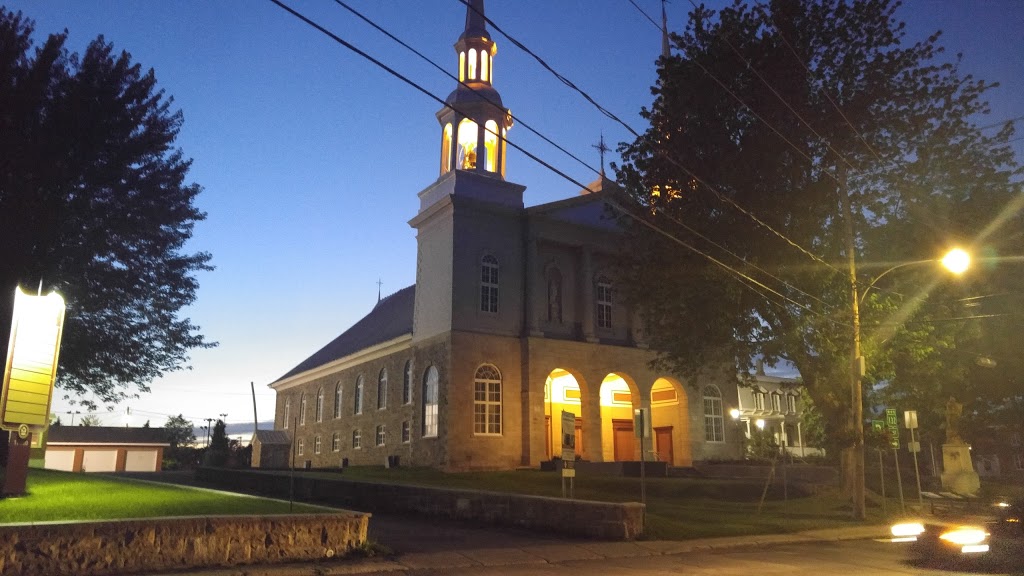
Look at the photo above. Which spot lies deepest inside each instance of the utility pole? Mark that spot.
(855, 462)
(208, 420)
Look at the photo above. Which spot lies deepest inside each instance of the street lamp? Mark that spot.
(956, 261)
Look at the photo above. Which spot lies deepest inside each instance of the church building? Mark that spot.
(514, 318)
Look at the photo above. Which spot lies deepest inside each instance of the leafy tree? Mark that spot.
(94, 204)
(746, 166)
(146, 425)
(90, 420)
(180, 431)
(217, 455)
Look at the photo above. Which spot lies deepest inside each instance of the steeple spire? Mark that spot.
(476, 24)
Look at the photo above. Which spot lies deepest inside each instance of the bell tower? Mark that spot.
(474, 122)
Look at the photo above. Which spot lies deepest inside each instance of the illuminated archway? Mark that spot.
(563, 390)
(619, 396)
(670, 422)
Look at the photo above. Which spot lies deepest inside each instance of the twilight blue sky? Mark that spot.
(311, 157)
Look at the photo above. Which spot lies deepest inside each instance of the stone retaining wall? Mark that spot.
(133, 546)
(606, 520)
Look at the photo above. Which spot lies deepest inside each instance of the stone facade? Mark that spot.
(157, 544)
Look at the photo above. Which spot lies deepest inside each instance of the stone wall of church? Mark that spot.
(337, 435)
(472, 446)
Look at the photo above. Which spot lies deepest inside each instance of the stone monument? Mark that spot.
(958, 475)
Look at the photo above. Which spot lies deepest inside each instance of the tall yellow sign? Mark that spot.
(31, 362)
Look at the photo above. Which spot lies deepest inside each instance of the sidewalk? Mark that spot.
(493, 550)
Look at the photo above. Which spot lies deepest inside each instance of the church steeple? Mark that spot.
(474, 122)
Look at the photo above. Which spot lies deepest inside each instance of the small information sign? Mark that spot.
(568, 436)
(893, 424)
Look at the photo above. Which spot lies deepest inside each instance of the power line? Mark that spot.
(426, 92)
(646, 15)
(1003, 123)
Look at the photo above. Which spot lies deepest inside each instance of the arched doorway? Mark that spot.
(562, 393)
(670, 423)
(619, 397)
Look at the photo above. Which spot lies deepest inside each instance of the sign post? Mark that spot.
(910, 419)
(569, 452)
(892, 422)
(879, 426)
(640, 426)
(29, 374)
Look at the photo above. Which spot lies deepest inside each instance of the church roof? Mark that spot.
(389, 319)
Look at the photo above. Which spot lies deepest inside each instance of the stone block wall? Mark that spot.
(134, 546)
(581, 518)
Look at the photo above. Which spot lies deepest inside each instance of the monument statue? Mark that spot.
(954, 410)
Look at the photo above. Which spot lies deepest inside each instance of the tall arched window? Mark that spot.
(287, 412)
(489, 284)
(468, 132)
(603, 296)
(382, 389)
(487, 400)
(357, 401)
(407, 383)
(472, 63)
(302, 410)
(430, 415)
(337, 401)
(491, 145)
(320, 405)
(484, 57)
(714, 423)
(462, 66)
(446, 148)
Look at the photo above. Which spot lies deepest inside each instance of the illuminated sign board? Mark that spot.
(31, 367)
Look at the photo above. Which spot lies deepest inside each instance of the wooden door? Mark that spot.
(624, 440)
(663, 443)
(579, 437)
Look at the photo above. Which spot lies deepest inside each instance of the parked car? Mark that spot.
(994, 539)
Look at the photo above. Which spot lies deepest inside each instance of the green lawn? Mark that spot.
(677, 508)
(67, 496)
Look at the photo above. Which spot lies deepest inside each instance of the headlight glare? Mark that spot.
(965, 535)
(905, 529)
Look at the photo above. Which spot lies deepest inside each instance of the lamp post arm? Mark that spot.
(864, 294)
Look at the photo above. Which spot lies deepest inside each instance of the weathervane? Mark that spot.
(379, 284)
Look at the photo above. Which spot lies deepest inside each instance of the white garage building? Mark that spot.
(105, 449)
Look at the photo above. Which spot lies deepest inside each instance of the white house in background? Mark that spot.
(105, 449)
(773, 404)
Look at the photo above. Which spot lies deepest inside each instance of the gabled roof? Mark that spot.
(107, 435)
(269, 437)
(389, 319)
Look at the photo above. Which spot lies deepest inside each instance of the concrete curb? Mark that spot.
(566, 551)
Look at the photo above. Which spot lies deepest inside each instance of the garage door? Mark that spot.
(60, 460)
(140, 461)
(99, 461)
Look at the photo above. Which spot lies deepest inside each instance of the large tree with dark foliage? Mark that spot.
(94, 204)
(765, 118)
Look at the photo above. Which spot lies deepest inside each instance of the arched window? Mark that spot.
(335, 442)
(316, 444)
(555, 296)
(462, 66)
(472, 63)
(407, 383)
(337, 401)
(489, 284)
(758, 398)
(468, 132)
(357, 401)
(487, 401)
(446, 148)
(776, 402)
(430, 403)
(603, 297)
(302, 410)
(382, 389)
(484, 57)
(357, 439)
(491, 145)
(381, 435)
(791, 403)
(714, 423)
(319, 405)
(287, 412)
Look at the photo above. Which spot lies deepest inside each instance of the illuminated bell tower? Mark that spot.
(474, 122)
